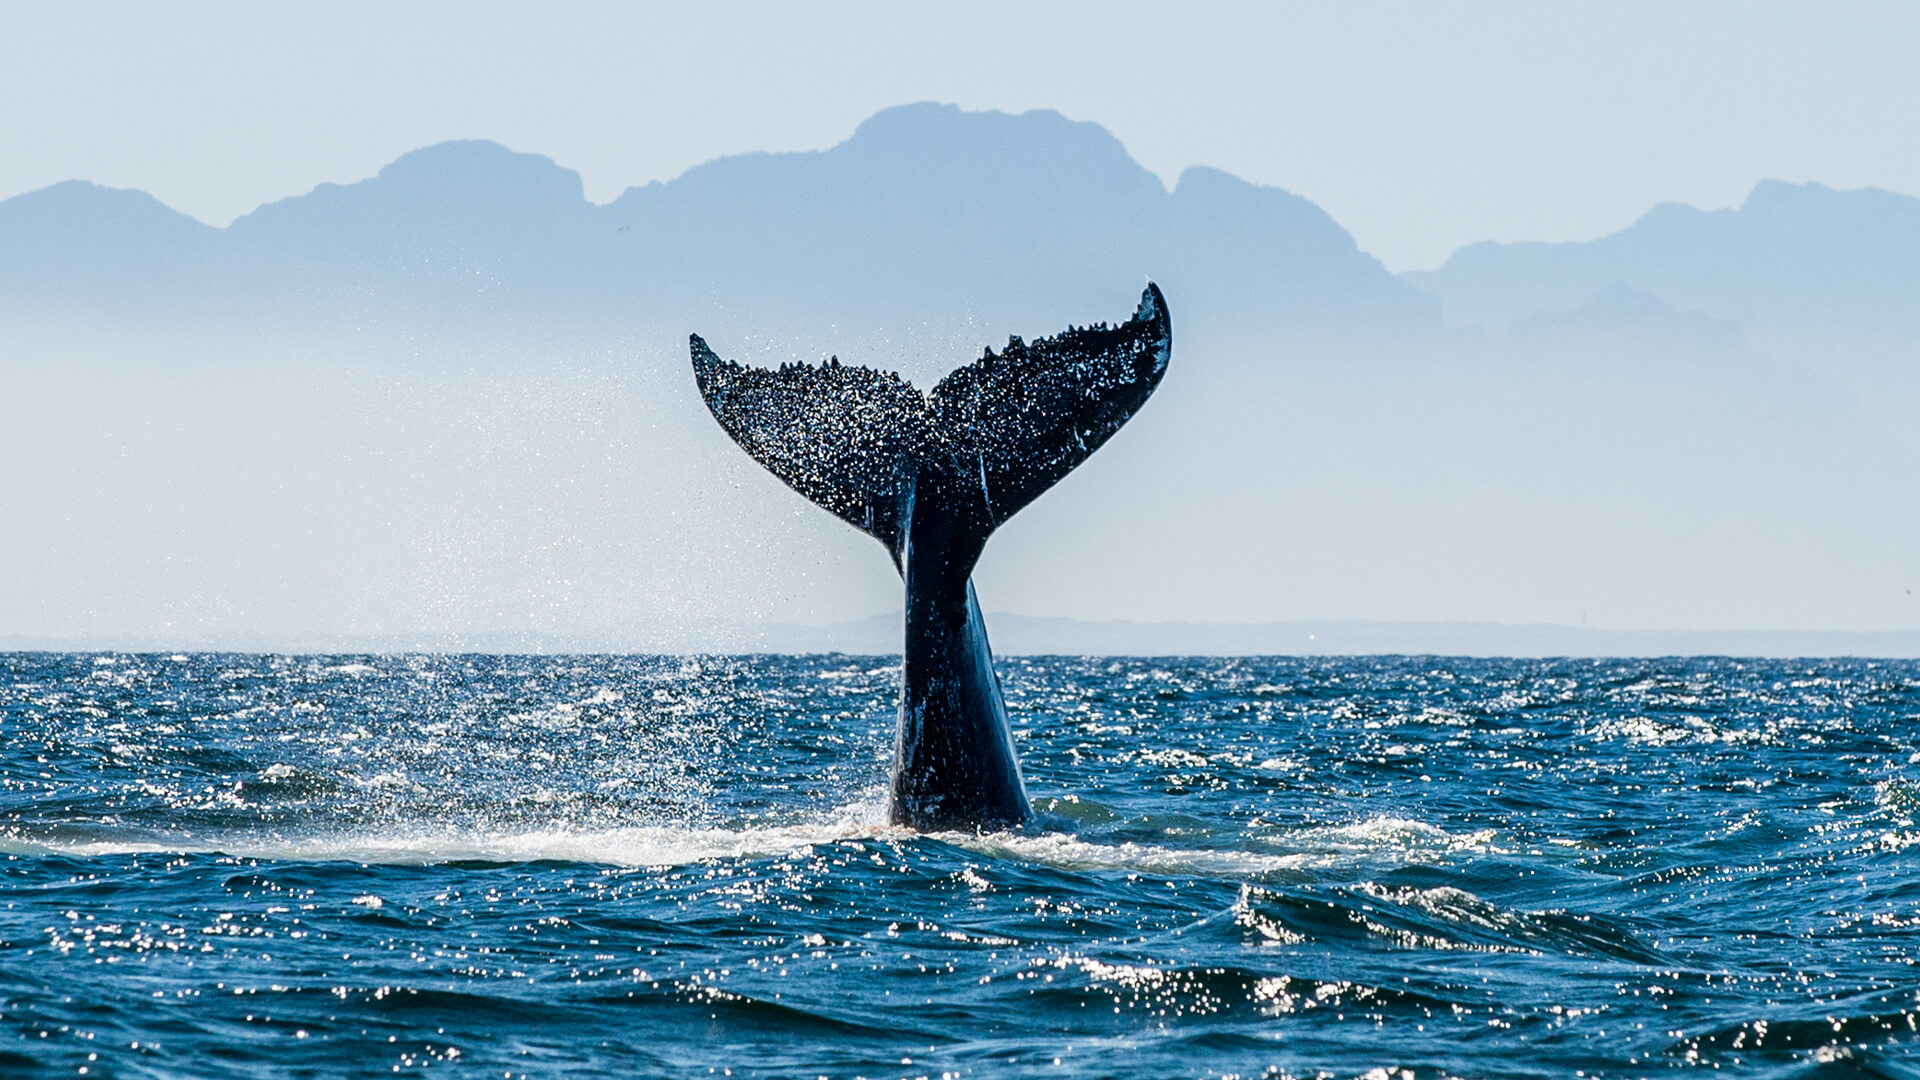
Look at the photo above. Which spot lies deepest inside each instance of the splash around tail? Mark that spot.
(931, 476)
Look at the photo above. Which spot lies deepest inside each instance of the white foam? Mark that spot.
(1370, 842)
(1071, 853)
(1393, 840)
(636, 846)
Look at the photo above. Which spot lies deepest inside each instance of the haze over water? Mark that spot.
(451, 402)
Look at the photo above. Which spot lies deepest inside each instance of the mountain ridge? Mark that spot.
(925, 211)
(1791, 259)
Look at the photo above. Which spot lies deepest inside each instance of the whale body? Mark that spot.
(931, 476)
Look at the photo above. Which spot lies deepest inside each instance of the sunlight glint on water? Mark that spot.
(616, 866)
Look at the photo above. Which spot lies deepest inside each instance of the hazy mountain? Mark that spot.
(457, 221)
(1030, 218)
(451, 403)
(93, 247)
(927, 212)
(1794, 259)
(1622, 322)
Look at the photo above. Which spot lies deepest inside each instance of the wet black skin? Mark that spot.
(954, 765)
(931, 476)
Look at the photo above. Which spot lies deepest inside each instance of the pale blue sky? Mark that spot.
(1419, 126)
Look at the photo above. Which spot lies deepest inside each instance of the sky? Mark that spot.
(1419, 127)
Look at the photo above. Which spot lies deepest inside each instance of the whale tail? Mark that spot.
(992, 435)
(931, 476)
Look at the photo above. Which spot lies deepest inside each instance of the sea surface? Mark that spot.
(507, 866)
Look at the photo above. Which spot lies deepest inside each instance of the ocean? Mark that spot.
(226, 865)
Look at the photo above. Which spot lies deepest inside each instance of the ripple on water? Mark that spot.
(614, 866)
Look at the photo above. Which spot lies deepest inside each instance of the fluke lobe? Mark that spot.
(931, 476)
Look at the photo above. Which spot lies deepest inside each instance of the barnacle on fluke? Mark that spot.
(931, 476)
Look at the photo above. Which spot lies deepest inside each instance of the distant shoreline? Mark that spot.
(1027, 635)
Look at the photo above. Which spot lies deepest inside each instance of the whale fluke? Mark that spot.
(931, 476)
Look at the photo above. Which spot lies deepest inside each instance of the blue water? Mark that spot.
(247, 866)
